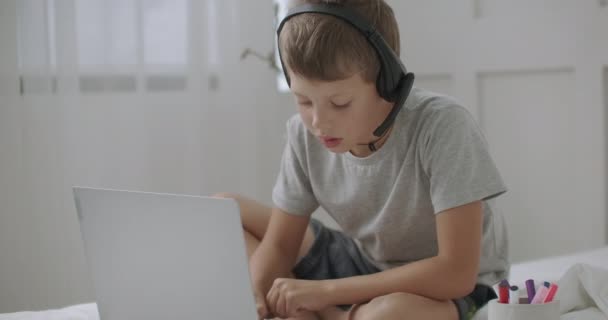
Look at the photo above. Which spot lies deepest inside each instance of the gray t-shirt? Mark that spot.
(436, 158)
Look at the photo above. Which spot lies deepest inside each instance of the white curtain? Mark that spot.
(130, 94)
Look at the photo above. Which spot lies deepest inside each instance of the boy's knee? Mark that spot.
(229, 195)
(393, 306)
(394, 303)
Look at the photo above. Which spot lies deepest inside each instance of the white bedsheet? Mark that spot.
(584, 288)
(552, 269)
(86, 311)
(549, 269)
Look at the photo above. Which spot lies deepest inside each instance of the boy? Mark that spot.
(410, 189)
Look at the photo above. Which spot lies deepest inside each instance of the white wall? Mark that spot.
(543, 58)
(531, 72)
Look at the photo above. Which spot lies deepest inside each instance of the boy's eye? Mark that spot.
(304, 103)
(341, 106)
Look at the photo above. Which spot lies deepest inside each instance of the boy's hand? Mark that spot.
(260, 305)
(291, 297)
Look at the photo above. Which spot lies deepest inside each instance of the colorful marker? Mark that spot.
(531, 289)
(541, 293)
(503, 292)
(551, 293)
(514, 295)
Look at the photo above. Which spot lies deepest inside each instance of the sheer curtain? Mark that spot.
(131, 94)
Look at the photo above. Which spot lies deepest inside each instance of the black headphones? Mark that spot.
(394, 82)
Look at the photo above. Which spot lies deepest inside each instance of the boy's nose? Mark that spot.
(320, 120)
(320, 125)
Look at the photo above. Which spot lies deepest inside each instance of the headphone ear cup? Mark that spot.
(408, 82)
(404, 86)
(392, 71)
(388, 85)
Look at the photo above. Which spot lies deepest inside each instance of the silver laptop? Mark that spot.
(163, 256)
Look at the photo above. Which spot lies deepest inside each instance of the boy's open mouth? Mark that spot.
(330, 142)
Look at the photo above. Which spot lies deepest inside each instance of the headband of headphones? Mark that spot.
(394, 83)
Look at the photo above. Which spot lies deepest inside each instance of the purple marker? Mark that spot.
(531, 290)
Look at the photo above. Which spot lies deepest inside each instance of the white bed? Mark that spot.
(552, 269)
(549, 269)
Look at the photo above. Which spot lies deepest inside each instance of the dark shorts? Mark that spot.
(334, 255)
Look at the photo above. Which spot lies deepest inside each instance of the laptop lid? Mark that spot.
(164, 256)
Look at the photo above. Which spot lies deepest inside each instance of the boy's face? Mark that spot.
(342, 114)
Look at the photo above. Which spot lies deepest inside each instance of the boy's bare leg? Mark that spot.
(252, 243)
(398, 306)
(255, 218)
(333, 313)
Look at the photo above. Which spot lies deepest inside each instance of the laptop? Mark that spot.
(164, 256)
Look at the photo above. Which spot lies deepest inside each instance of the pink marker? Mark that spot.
(540, 295)
(551, 293)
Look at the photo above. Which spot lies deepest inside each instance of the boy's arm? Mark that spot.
(277, 253)
(450, 275)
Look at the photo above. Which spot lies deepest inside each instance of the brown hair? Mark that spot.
(322, 47)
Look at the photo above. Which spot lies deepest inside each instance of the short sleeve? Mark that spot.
(456, 160)
(292, 191)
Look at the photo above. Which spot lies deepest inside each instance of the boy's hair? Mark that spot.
(322, 47)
